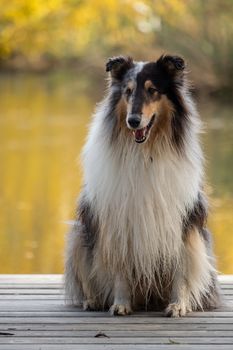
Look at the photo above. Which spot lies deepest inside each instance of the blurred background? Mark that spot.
(52, 73)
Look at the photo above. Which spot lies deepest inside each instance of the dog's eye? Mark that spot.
(128, 92)
(151, 90)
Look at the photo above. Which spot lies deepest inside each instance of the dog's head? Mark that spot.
(147, 90)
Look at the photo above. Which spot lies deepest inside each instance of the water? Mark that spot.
(43, 123)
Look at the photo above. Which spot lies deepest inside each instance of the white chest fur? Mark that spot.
(140, 200)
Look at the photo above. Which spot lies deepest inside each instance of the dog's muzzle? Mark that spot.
(142, 134)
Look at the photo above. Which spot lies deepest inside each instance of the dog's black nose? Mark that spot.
(134, 121)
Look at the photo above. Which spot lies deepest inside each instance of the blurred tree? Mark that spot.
(90, 29)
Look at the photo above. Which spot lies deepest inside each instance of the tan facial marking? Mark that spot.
(148, 84)
(121, 112)
(121, 109)
(160, 106)
(165, 106)
(150, 107)
(130, 86)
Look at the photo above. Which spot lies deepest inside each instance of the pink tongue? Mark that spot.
(139, 134)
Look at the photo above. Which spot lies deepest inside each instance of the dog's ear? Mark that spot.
(174, 65)
(118, 66)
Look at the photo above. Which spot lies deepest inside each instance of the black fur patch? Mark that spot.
(118, 66)
(89, 222)
(167, 76)
(173, 65)
(197, 217)
(180, 119)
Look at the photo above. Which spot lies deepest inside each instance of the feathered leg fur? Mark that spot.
(122, 297)
(194, 279)
(79, 289)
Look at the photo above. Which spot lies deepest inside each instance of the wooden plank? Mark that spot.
(31, 302)
(34, 286)
(57, 278)
(38, 278)
(16, 307)
(58, 290)
(116, 320)
(115, 347)
(60, 302)
(33, 314)
(225, 278)
(117, 334)
(54, 297)
(29, 291)
(54, 285)
(35, 306)
(115, 327)
(32, 297)
(98, 314)
(122, 340)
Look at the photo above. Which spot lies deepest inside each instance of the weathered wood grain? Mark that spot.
(171, 346)
(33, 316)
(116, 327)
(119, 340)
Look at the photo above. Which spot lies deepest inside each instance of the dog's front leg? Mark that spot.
(179, 302)
(122, 297)
(194, 277)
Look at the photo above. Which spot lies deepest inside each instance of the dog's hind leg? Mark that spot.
(72, 282)
(122, 297)
(78, 285)
(194, 285)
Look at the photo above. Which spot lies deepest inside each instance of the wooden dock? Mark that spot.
(33, 316)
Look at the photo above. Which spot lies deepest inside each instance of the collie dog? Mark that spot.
(140, 239)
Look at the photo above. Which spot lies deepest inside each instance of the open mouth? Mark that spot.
(141, 135)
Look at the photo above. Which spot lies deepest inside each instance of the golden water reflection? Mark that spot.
(43, 123)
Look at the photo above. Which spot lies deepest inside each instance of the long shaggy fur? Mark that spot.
(140, 238)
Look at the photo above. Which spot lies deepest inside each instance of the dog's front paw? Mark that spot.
(120, 309)
(176, 310)
(90, 305)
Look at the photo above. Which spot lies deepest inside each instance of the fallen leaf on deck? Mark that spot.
(101, 335)
(173, 341)
(6, 333)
